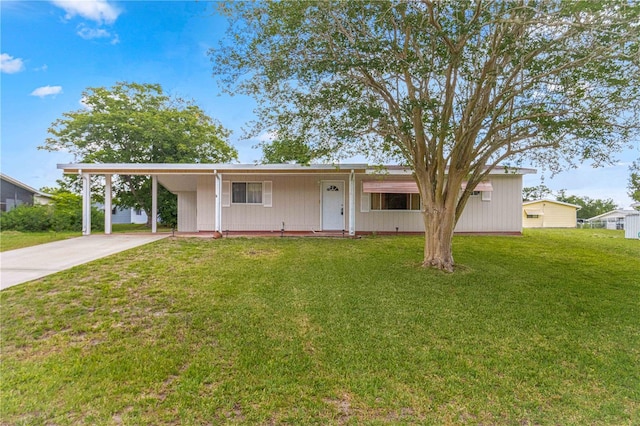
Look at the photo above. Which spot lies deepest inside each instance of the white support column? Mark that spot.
(218, 210)
(86, 203)
(154, 204)
(352, 203)
(107, 204)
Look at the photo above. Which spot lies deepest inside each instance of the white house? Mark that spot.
(354, 198)
(613, 219)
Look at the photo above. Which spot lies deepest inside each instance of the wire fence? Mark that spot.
(615, 224)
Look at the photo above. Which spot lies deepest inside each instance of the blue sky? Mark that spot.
(52, 51)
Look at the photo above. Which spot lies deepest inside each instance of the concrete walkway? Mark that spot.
(29, 263)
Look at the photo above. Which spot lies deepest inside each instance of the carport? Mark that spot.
(174, 177)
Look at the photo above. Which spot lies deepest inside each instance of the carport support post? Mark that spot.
(352, 203)
(107, 204)
(86, 203)
(154, 204)
(218, 218)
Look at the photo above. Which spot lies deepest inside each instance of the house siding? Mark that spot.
(206, 203)
(500, 214)
(187, 211)
(295, 202)
(554, 215)
(296, 206)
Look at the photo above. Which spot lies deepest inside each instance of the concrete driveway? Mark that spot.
(30, 263)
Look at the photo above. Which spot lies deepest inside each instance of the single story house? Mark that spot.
(549, 214)
(126, 215)
(350, 198)
(613, 219)
(14, 193)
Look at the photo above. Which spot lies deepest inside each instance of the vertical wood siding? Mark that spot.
(295, 200)
(503, 213)
(206, 202)
(187, 205)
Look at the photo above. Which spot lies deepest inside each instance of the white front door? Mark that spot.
(332, 205)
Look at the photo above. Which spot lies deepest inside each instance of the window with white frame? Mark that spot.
(393, 201)
(246, 192)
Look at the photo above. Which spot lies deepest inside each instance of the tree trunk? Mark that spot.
(438, 238)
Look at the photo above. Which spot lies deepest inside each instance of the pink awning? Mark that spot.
(482, 186)
(390, 187)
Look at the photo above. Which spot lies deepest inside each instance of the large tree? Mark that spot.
(139, 123)
(452, 89)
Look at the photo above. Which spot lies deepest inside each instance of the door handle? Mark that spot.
(341, 211)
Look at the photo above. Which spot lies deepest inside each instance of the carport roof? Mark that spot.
(196, 169)
(159, 169)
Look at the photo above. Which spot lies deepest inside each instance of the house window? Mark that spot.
(387, 201)
(246, 192)
(533, 216)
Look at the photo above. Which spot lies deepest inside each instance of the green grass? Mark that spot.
(541, 329)
(11, 240)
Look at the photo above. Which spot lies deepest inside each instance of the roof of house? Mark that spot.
(163, 168)
(545, 200)
(613, 214)
(23, 186)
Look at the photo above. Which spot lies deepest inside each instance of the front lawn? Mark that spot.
(540, 329)
(11, 240)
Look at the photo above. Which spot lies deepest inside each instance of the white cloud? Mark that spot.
(267, 137)
(47, 91)
(99, 11)
(90, 33)
(9, 64)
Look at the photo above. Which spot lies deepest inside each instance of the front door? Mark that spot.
(332, 205)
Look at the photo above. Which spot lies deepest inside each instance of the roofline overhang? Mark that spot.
(209, 168)
(24, 186)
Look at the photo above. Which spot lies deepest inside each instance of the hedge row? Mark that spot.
(64, 214)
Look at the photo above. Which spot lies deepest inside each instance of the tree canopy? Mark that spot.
(531, 193)
(589, 207)
(139, 123)
(451, 89)
(634, 181)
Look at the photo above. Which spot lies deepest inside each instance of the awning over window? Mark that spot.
(482, 186)
(390, 187)
(534, 212)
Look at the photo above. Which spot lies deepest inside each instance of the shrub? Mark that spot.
(64, 214)
(27, 218)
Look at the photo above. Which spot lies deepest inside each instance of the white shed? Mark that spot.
(632, 226)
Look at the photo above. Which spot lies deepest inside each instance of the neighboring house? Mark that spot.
(14, 193)
(124, 215)
(611, 220)
(128, 215)
(549, 214)
(354, 198)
